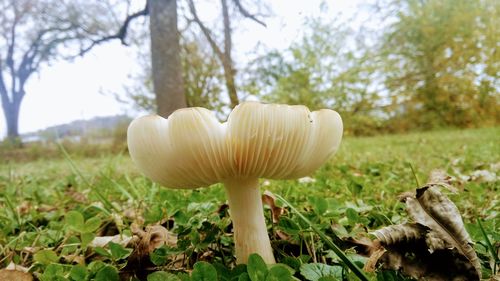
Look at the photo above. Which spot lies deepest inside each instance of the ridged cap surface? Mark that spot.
(192, 148)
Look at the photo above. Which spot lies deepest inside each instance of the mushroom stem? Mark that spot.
(247, 214)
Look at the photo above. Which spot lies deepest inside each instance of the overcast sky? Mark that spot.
(67, 91)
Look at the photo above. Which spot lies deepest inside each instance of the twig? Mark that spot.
(122, 32)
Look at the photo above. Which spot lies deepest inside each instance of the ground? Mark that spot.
(55, 212)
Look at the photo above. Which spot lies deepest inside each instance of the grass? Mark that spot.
(355, 193)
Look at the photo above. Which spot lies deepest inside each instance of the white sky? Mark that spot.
(68, 91)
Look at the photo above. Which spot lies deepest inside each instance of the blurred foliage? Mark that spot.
(50, 209)
(441, 63)
(322, 70)
(420, 65)
(435, 65)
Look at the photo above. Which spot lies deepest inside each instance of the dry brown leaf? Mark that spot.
(371, 263)
(14, 275)
(133, 215)
(269, 199)
(76, 195)
(102, 241)
(436, 211)
(436, 247)
(419, 263)
(46, 208)
(24, 207)
(435, 242)
(149, 239)
(31, 250)
(483, 176)
(282, 235)
(401, 233)
(74, 259)
(144, 243)
(363, 245)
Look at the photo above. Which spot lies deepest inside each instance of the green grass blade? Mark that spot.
(488, 242)
(414, 175)
(107, 204)
(119, 187)
(14, 211)
(133, 188)
(355, 269)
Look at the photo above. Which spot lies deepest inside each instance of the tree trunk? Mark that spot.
(230, 84)
(11, 113)
(227, 61)
(165, 57)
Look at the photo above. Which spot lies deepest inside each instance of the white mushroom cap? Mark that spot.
(192, 148)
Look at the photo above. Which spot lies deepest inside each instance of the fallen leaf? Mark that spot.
(436, 211)
(269, 199)
(15, 275)
(306, 180)
(483, 176)
(102, 241)
(371, 263)
(149, 239)
(440, 177)
(435, 247)
(401, 233)
(78, 259)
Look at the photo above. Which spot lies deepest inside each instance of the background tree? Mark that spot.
(203, 78)
(34, 33)
(224, 53)
(165, 57)
(326, 68)
(205, 64)
(442, 62)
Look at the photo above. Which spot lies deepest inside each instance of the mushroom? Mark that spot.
(193, 149)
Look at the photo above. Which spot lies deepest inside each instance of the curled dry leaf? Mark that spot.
(269, 199)
(156, 236)
(416, 261)
(435, 247)
(433, 209)
(371, 263)
(401, 233)
(435, 242)
(146, 241)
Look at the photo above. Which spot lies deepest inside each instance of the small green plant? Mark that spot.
(53, 211)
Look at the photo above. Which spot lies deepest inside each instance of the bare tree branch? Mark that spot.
(224, 57)
(10, 54)
(246, 14)
(205, 31)
(3, 88)
(227, 30)
(122, 32)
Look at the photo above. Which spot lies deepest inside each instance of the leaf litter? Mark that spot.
(435, 246)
